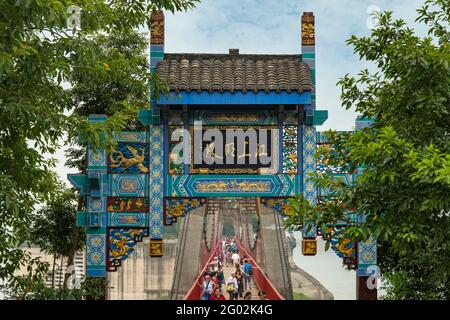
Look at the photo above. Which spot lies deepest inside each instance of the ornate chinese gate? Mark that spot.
(142, 186)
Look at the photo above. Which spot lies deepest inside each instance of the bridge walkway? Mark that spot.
(260, 280)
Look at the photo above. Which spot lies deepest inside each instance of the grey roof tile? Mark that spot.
(235, 72)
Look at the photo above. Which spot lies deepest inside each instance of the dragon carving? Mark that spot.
(118, 159)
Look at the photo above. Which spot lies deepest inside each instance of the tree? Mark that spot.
(125, 55)
(38, 54)
(51, 226)
(405, 155)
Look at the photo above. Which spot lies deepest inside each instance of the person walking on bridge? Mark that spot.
(218, 295)
(232, 287)
(236, 259)
(240, 282)
(220, 277)
(208, 287)
(248, 272)
(229, 261)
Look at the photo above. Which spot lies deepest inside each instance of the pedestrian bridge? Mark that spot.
(260, 282)
(261, 238)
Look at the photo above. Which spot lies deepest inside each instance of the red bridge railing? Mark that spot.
(197, 287)
(259, 277)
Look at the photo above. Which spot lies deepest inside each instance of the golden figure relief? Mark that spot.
(121, 250)
(254, 186)
(293, 157)
(246, 186)
(211, 186)
(126, 205)
(156, 248)
(157, 28)
(118, 159)
(176, 211)
(309, 247)
(234, 118)
(128, 219)
(128, 185)
(347, 251)
(308, 34)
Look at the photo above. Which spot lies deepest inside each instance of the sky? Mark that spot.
(273, 27)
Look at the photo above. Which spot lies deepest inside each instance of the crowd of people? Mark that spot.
(239, 282)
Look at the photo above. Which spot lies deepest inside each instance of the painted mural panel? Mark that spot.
(128, 185)
(129, 158)
(128, 204)
(290, 149)
(237, 117)
(175, 208)
(233, 185)
(121, 243)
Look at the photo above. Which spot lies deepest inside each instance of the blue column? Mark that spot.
(96, 213)
(156, 191)
(309, 169)
(157, 172)
(308, 42)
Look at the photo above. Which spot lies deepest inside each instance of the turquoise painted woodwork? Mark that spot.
(156, 185)
(82, 183)
(320, 116)
(232, 185)
(132, 136)
(367, 258)
(96, 219)
(128, 185)
(96, 252)
(112, 219)
(236, 98)
(309, 169)
(121, 243)
(247, 117)
(128, 219)
(145, 117)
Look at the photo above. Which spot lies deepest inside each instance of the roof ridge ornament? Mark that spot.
(234, 52)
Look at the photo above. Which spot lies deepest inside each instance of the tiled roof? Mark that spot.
(235, 72)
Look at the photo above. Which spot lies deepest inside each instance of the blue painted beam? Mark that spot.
(236, 98)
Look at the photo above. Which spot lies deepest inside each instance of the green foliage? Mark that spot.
(403, 158)
(228, 230)
(255, 221)
(33, 272)
(51, 226)
(39, 59)
(300, 296)
(120, 93)
(24, 288)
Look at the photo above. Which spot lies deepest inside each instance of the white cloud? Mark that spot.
(270, 26)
